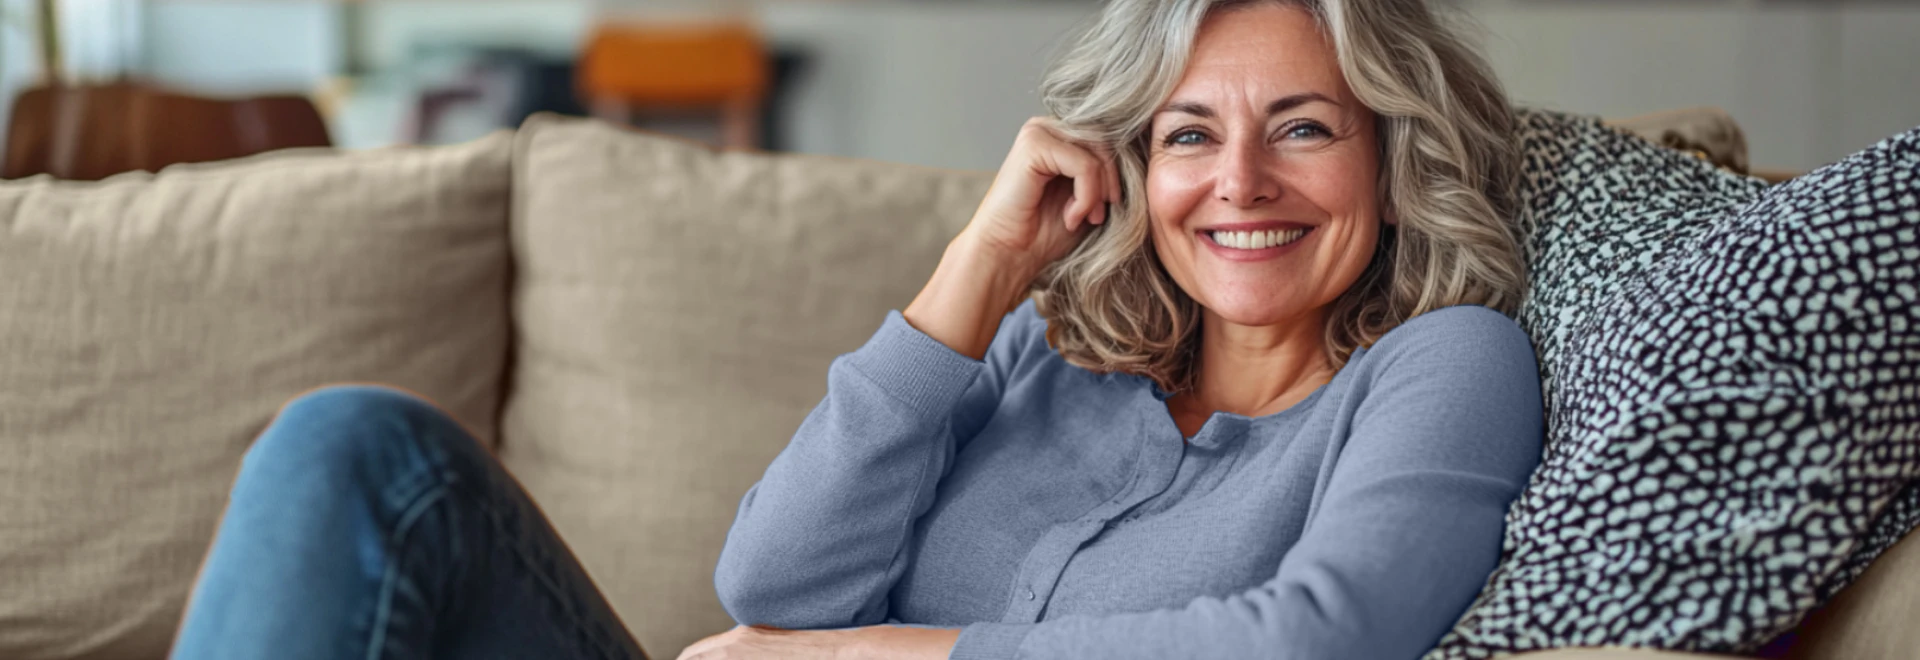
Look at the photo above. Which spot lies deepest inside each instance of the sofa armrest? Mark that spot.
(1614, 653)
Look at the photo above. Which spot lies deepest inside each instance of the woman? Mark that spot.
(1260, 407)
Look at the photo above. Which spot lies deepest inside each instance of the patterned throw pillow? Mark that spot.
(1733, 404)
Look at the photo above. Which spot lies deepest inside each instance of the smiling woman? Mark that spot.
(1266, 404)
(1373, 109)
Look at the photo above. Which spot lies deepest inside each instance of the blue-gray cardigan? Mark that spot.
(1052, 512)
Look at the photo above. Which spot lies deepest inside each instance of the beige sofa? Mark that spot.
(635, 324)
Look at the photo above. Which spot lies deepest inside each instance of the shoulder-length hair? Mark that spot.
(1448, 179)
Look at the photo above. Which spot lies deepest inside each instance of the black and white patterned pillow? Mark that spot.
(1733, 403)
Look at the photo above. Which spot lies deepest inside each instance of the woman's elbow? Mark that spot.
(742, 591)
(756, 596)
(765, 594)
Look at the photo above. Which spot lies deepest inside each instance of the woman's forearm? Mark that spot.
(970, 291)
(904, 643)
(816, 542)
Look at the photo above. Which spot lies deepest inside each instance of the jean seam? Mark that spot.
(390, 580)
(554, 593)
(447, 486)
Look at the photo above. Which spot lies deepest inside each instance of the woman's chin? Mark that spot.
(1254, 309)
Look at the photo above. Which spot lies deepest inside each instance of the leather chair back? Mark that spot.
(90, 132)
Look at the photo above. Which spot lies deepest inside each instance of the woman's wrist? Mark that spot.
(972, 288)
(1008, 277)
(903, 643)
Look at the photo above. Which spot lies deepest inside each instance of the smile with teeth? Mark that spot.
(1256, 240)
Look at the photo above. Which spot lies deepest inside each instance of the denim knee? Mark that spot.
(362, 435)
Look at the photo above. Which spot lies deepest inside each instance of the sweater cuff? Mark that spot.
(913, 367)
(989, 641)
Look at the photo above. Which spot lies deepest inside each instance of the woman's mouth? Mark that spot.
(1255, 243)
(1256, 240)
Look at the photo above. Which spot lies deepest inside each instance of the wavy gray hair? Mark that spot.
(1448, 178)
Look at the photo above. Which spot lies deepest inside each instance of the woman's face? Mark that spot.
(1261, 170)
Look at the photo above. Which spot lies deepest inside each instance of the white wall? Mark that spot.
(947, 83)
(1878, 69)
(239, 46)
(388, 31)
(99, 39)
(19, 56)
(944, 84)
(934, 84)
(1810, 82)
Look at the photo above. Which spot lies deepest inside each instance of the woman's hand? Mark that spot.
(753, 643)
(1048, 190)
(878, 642)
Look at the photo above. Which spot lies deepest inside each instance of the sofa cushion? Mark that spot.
(152, 324)
(1705, 132)
(676, 309)
(1733, 426)
(1873, 618)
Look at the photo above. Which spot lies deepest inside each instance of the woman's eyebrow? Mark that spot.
(1290, 102)
(1278, 106)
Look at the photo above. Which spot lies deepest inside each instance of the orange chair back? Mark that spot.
(668, 65)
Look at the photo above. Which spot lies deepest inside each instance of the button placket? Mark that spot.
(1042, 568)
(1040, 573)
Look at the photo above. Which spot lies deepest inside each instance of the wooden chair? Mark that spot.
(722, 68)
(90, 132)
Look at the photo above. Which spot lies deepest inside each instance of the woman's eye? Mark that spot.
(1308, 131)
(1187, 138)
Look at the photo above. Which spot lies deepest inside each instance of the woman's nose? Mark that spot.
(1244, 177)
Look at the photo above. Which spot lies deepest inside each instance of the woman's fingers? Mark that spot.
(1113, 183)
(1089, 175)
(1092, 170)
(1029, 191)
(1097, 182)
(1105, 205)
(1085, 197)
(709, 643)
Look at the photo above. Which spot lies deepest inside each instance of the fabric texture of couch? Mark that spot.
(643, 321)
(675, 311)
(151, 324)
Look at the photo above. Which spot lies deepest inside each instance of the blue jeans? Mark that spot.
(367, 524)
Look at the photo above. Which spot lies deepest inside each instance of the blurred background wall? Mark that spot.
(946, 82)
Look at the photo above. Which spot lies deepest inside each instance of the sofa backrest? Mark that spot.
(151, 324)
(1875, 618)
(675, 309)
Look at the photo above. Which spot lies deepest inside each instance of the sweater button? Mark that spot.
(1029, 594)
